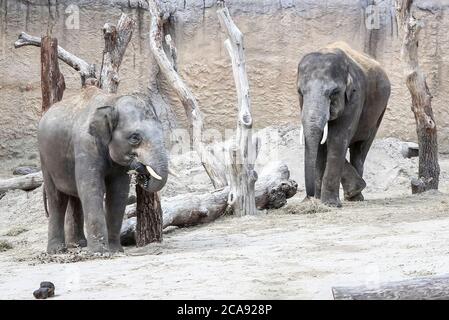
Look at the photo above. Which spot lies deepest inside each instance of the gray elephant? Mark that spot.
(88, 144)
(343, 95)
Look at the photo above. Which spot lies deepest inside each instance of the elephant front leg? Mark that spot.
(320, 167)
(336, 157)
(91, 191)
(117, 190)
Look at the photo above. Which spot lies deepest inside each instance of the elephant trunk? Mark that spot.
(312, 141)
(314, 123)
(152, 170)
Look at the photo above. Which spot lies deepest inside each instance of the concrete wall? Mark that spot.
(277, 33)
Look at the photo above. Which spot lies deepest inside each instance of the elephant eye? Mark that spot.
(135, 138)
(334, 93)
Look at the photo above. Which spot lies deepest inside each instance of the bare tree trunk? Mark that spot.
(52, 80)
(214, 168)
(116, 40)
(243, 151)
(429, 169)
(149, 217)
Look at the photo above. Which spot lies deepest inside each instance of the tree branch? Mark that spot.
(85, 69)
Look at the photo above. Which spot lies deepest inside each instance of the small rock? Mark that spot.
(50, 286)
(47, 290)
(22, 171)
(41, 293)
(410, 150)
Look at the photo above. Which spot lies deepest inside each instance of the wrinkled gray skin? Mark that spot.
(87, 145)
(349, 91)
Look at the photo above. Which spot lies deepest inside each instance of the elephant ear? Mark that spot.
(103, 122)
(349, 87)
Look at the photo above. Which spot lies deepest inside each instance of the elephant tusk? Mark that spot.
(153, 173)
(301, 135)
(173, 173)
(323, 140)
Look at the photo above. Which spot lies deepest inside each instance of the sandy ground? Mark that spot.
(300, 251)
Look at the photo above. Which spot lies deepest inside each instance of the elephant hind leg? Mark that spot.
(352, 183)
(74, 224)
(57, 205)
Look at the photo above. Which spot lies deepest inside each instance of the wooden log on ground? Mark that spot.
(27, 182)
(86, 70)
(429, 169)
(213, 166)
(431, 288)
(52, 80)
(243, 151)
(272, 191)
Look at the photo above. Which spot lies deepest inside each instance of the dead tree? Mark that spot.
(243, 151)
(214, 168)
(52, 80)
(426, 129)
(116, 39)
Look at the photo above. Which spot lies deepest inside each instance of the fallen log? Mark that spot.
(27, 182)
(272, 191)
(432, 288)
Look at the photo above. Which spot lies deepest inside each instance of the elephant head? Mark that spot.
(132, 136)
(325, 86)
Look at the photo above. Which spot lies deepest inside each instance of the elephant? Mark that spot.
(343, 95)
(88, 145)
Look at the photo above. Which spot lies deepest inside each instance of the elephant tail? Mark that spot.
(44, 195)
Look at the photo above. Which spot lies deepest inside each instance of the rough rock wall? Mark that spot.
(277, 33)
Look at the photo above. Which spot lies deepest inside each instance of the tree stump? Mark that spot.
(52, 80)
(149, 217)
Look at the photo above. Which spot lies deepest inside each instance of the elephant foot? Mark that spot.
(357, 197)
(98, 247)
(81, 243)
(56, 247)
(332, 202)
(115, 247)
(306, 199)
